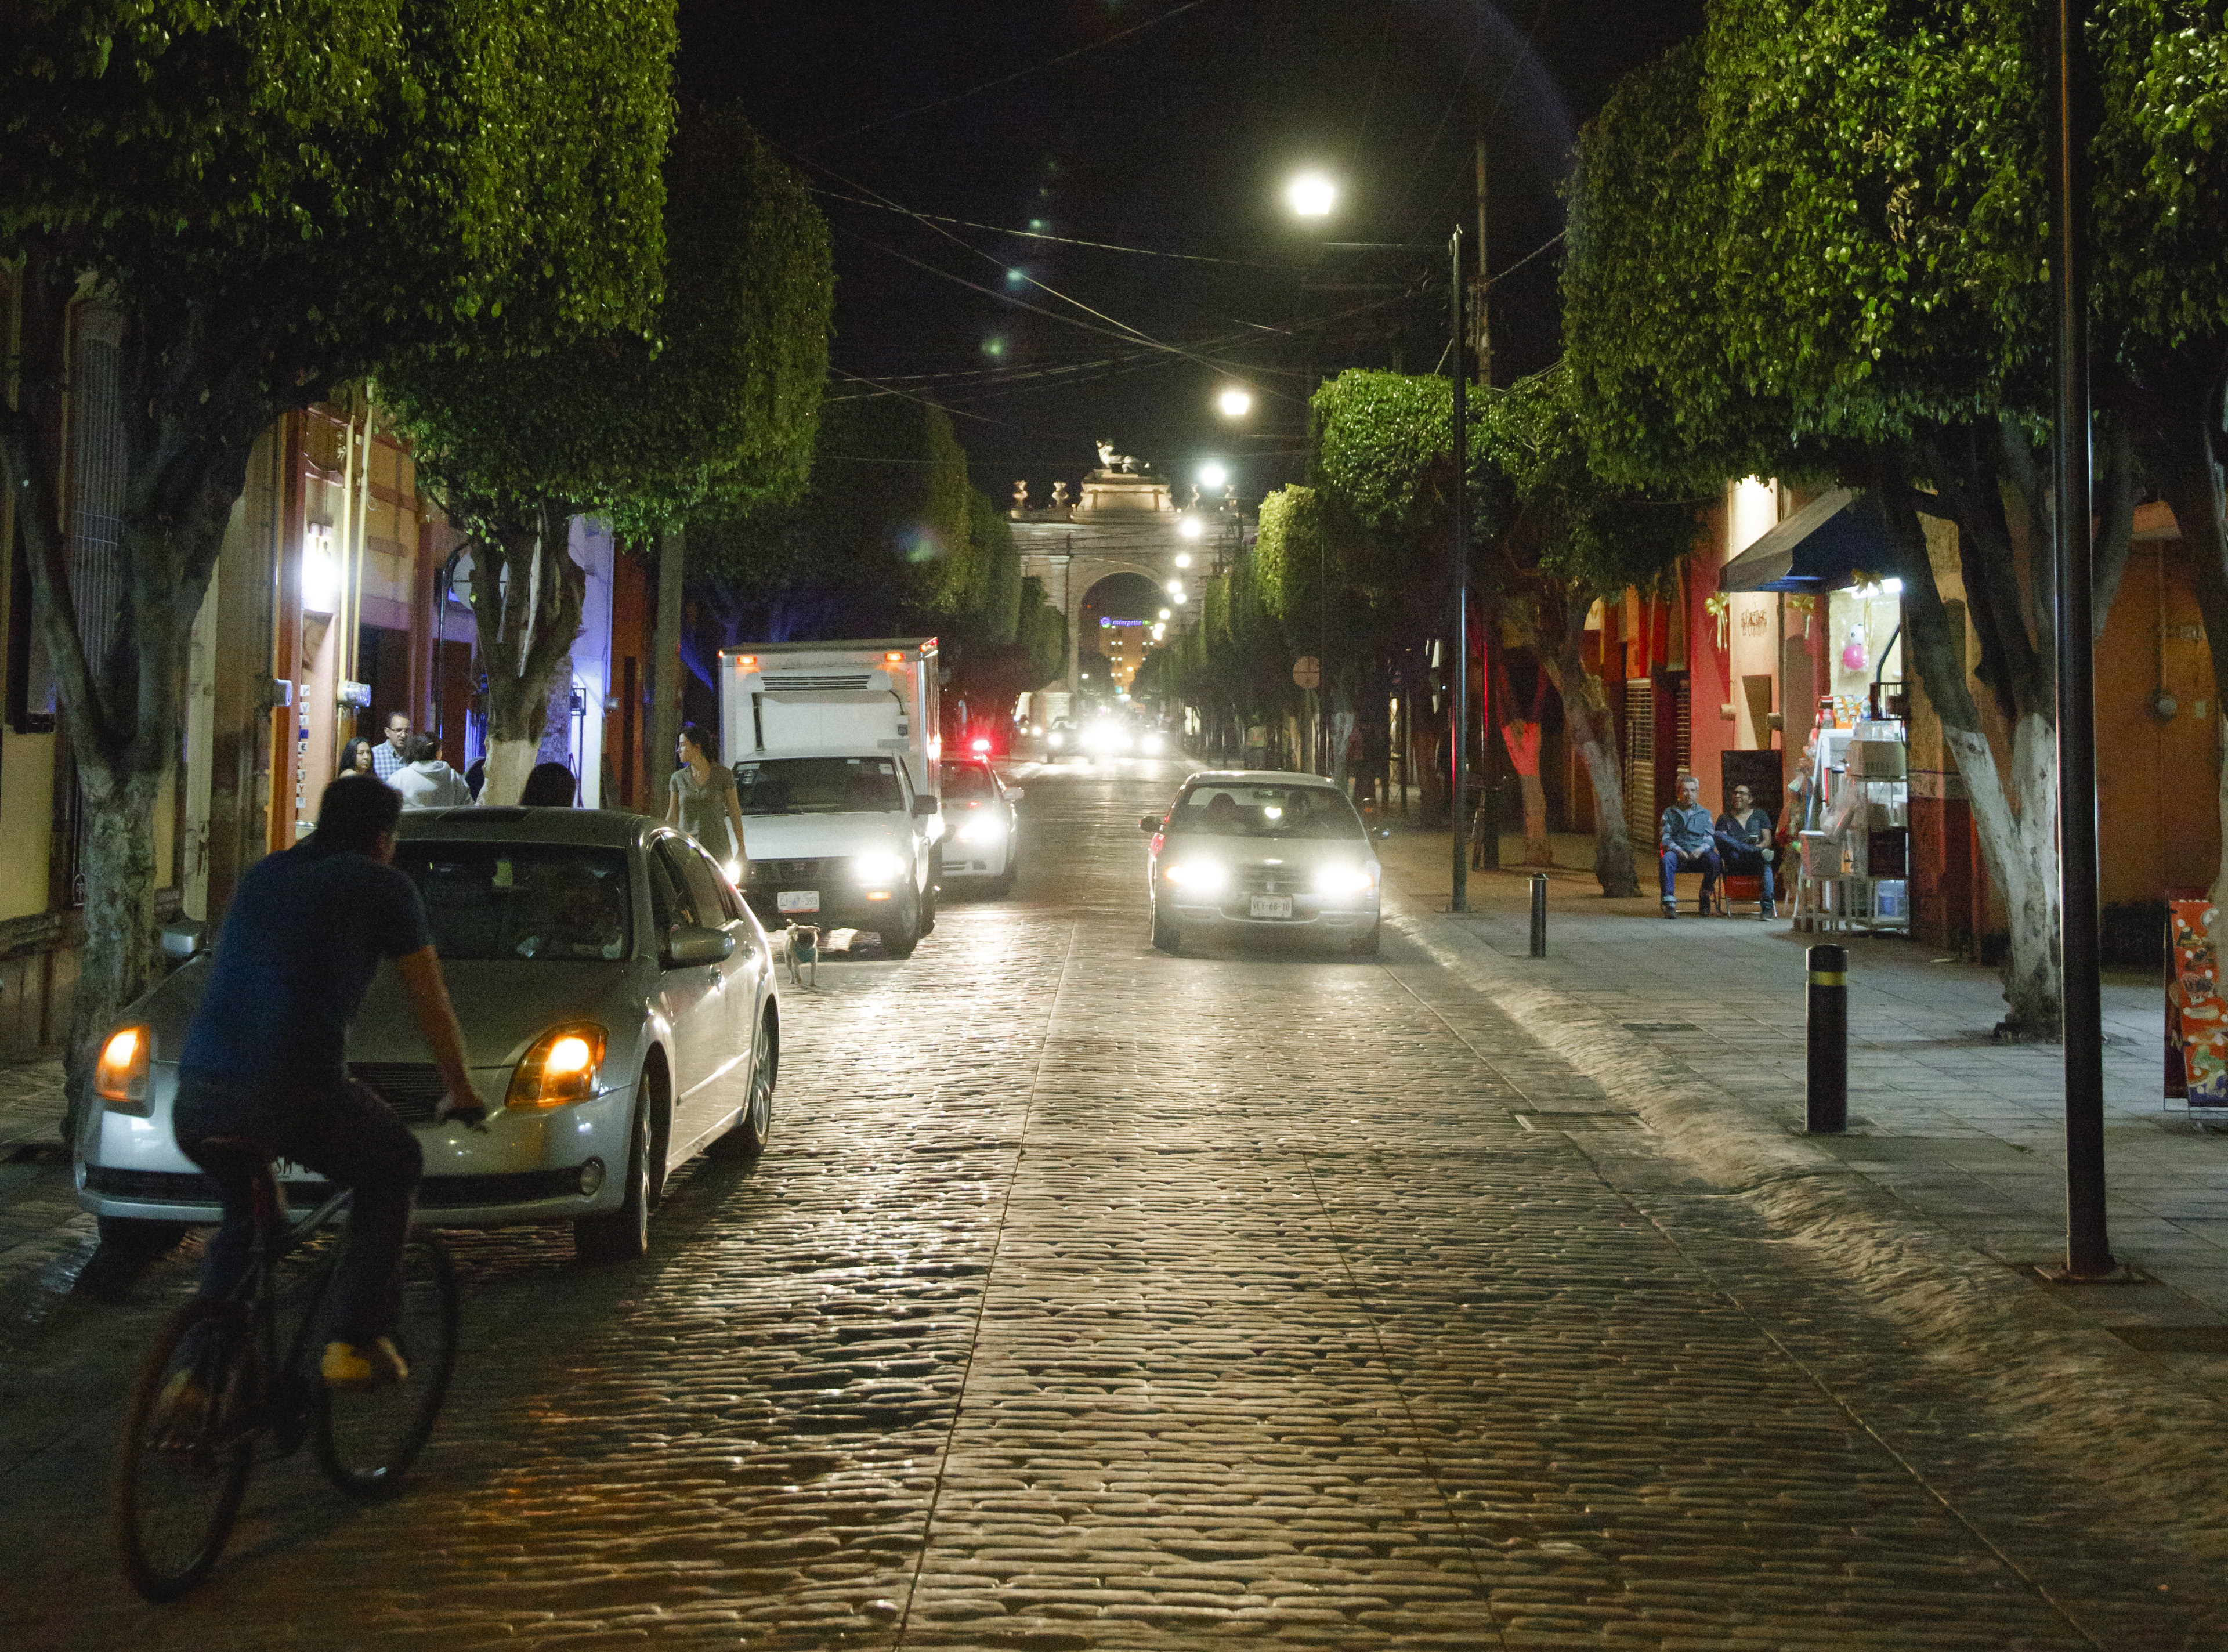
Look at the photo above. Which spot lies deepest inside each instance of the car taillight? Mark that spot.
(120, 1078)
(561, 1067)
(984, 745)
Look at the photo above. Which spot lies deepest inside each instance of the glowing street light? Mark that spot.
(1312, 195)
(1164, 614)
(1181, 598)
(1183, 558)
(1235, 402)
(1214, 473)
(1175, 589)
(1189, 527)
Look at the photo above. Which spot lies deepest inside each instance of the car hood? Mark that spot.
(784, 837)
(502, 1006)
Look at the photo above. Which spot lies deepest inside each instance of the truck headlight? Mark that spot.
(879, 867)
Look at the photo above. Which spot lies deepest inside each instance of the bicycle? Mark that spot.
(215, 1384)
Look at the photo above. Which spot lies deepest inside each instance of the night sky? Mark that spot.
(1177, 137)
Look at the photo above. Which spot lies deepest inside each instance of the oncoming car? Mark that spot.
(982, 827)
(620, 1015)
(1254, 852)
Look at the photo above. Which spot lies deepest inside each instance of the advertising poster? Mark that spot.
(2196, 1014)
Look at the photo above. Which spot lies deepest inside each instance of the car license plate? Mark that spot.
(797, 900)
(1273, 906)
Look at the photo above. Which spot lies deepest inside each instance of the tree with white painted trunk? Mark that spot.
(711, 405)
(1813, 245)
(264, 200)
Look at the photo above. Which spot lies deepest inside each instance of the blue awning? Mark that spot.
(1822, 547)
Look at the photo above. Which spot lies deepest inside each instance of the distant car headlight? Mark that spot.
(1346, 879)
(561, 1067)
(1152, 743)
(120, 1078)
(879, 866)
(1057, 738)
(1197, 875)
(983, 828)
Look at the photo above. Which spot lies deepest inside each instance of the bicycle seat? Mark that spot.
(240, 1147)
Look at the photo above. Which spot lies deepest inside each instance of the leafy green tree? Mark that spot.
(713, 406)
(1812, 246)
(274, 199)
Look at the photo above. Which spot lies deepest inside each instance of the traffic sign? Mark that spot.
(1307, 672)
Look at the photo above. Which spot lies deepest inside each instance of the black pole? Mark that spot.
(2088, 1245)
(1538, 914)
(1459, 901)
(1826, 1079)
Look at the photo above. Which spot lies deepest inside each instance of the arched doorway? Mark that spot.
(1112, 626)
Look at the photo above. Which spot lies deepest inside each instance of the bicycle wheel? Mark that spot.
(367, 1439)
(188, 1443)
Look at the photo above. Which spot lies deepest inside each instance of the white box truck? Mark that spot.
(834, 748)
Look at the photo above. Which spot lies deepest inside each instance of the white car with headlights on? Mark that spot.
(1248, 852)
(620, 1015)
(982, 827)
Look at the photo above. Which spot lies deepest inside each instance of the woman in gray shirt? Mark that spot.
(702, 800)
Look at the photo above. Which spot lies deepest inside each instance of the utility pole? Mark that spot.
(2088, 1244)
(1488, 798)
(1458, 673)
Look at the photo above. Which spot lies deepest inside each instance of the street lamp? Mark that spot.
(1235, 403)
(1164, 614)
(1214, 473)
(1312, 195)
(1189, 527)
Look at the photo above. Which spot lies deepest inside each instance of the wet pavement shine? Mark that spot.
(1090, 1297)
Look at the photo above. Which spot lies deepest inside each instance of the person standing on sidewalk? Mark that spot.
(1687, 838)
(701, 800)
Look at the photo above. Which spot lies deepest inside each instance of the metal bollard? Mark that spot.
(1826, 1091)
(1538, 914)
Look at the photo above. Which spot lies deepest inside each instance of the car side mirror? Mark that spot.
(1382, 831)
(1148, 823)
(686, 946)
(182, 938)
(924, 805)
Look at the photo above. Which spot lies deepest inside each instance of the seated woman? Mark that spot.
(1744, 845)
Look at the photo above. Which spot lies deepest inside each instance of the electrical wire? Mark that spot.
(1008, 80)
(1046, 235)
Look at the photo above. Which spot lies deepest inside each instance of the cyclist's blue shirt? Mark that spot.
(305, 931)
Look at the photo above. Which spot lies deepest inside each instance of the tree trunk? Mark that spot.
(122, 714)
(1585, 712)
(527, 623)
(2018, 825)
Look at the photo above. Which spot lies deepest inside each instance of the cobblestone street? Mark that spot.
(1088, 1298)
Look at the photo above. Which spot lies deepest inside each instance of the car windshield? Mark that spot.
(818, 786)
(966, 780)
(1215, 809)
(521, 901)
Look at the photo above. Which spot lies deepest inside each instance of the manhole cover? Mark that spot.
(2175, 1339)
(1658, 1026)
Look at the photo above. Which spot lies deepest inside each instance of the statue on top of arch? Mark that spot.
(1110, 462)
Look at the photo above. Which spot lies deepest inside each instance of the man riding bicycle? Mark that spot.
(262, 1058)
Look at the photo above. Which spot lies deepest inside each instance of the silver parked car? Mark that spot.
(1256, 851)
(620, 1015)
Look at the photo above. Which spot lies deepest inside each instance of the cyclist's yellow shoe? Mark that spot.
(182, 1414)
(379, 1366)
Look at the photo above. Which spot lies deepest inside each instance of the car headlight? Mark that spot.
(1197, 875)
(879, 866)
(1152, 743)
(120, 1078)
(984, 829)
(1345, 879)
(1057, 738)
(561, 1067)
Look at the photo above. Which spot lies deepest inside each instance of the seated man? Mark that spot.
(1688, 842)
(1744, 845)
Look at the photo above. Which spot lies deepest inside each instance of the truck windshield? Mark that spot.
(819, 786)
(521, 901)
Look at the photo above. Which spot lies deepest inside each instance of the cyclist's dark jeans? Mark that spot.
(346, 1134)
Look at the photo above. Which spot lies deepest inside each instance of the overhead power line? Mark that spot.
(1064, 240)
(1008, 80)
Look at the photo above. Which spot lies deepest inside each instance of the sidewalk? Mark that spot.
(1963, 1135)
